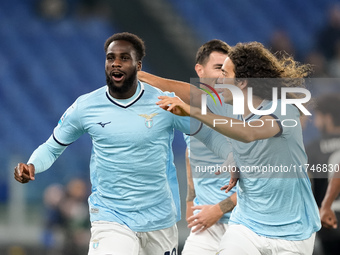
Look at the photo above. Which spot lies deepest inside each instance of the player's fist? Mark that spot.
(24, 173)
(328, 218)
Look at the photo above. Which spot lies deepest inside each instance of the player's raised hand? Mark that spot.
(24, 173)
(174, 105)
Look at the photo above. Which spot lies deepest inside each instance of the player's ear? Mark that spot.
(139, 66)
(242, 84)
(199, 70)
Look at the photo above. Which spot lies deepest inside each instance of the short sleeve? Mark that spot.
(288, 122)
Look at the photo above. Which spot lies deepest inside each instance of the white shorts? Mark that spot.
(240, 240)
(206, 242)
(111, 238)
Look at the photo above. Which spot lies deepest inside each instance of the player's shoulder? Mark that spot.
(156, 91)
(92, 96)
(282, 110)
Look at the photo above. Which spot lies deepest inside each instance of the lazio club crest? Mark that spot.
(148, 119)
(95, 244)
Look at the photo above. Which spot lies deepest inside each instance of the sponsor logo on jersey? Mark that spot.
(103, 124)
(148, 119)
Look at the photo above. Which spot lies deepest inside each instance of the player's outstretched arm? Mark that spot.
(187, 92)
(191, 189)
(328, 218)
(230, 127)
(210, 214)
(174, 105)
(236, 129)
(24, 173)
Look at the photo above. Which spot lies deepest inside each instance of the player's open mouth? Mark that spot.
(117, 76)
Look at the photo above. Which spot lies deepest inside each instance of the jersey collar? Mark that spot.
(126, 102)
(249, 116)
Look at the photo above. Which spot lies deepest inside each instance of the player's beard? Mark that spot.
(127, 84)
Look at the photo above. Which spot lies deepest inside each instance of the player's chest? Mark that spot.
(137, 122)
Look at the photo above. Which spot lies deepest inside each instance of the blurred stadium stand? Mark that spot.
(47, 62)
(246, 20)
(45, 66)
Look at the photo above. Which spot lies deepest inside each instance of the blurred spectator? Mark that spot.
(53, 235)
(75, 212)
(53, 9)
(319, 63)
(100, 8)
(324, 153)
(334, 64)
(16, 250)
(68, 226)
(330, 33)
(281, 42)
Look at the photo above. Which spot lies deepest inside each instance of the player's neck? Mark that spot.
(126, 94)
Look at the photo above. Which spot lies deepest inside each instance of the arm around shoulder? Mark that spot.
(187, 92)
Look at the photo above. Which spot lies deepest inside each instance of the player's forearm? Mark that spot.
(190, 193)
(45, 155)
(190, 183)
(237, 129)
(187, 92)
(214, 141)
(228, 204)
(332, 192)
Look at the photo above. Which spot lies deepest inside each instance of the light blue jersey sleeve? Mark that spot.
(69, 127)
(216, 142)
(67, 131)
(45, 155)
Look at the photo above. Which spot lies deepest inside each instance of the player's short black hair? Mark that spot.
(329, 104)
(206, 49)
(137, 43)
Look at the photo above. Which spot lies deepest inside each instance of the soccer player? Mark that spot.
(324, 153)
(131, 206)
(204, 194)
(212, 206)
(276, 212)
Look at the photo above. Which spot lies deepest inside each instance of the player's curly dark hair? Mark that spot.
(253, 60)
(206, 49)
(137, 43)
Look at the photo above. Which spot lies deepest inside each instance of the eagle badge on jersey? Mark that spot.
(148, 119)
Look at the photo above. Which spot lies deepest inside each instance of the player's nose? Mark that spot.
(116, 63)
